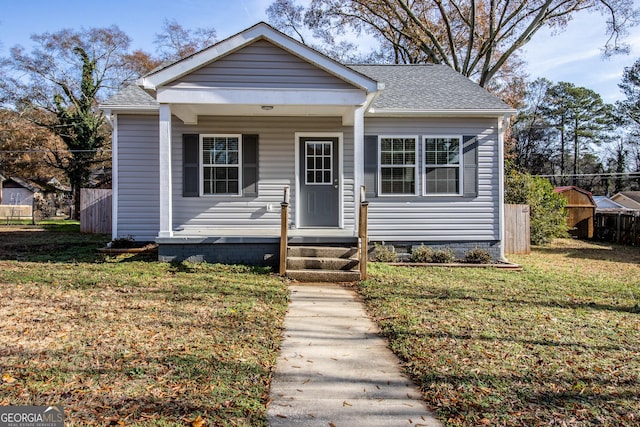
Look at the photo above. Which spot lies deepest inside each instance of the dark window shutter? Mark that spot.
(470, 164)
(250, 165)
(371, 165)
(190, 165)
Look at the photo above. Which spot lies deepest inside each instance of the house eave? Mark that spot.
(114, 109)
(396, 112)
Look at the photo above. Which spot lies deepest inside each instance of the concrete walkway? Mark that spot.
(334, 369)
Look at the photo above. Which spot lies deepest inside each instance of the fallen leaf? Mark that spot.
(198, 422)
(345, 403)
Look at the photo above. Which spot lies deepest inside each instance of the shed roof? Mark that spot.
(584, 198)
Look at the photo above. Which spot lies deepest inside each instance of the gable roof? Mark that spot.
(429, 88)
(633, 195)
(131, 96)
(402, 90)
(260, 31)
(604, 203)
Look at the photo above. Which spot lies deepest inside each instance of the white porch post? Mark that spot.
(358, 159)
(166, 220)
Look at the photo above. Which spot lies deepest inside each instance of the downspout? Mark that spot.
(113, 121)
(503, 124)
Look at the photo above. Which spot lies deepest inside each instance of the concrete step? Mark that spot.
(323, 275)
(321, 263)
(323, 251)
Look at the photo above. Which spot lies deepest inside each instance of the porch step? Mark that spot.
(323, 263)
(323, 275)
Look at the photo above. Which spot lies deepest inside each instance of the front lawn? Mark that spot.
(133, 342)
(555, 344)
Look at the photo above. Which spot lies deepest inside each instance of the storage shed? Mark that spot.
(581, 209)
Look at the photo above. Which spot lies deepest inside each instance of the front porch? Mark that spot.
(307, 254)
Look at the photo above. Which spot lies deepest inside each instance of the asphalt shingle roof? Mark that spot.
(131, 95)
(428, 87)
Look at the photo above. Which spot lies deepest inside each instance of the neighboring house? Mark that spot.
(628, 199)
(605, 204)
(204, 148)
(2, 179)
(17, 191)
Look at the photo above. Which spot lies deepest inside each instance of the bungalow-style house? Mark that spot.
(205, 149)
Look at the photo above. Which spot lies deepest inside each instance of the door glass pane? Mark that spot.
(319, 164)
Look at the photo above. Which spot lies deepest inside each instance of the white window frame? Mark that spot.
(415, 165)
(425, 165)
(202, 165)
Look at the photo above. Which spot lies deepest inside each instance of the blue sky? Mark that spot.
(572, 56)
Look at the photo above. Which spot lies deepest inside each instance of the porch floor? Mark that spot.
(264, 232)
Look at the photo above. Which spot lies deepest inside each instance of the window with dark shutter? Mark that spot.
(190, 165)
(250, 165)
(470, 162)
(371, 165)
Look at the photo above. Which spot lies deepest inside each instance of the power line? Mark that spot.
(586, 175)
(53, 151)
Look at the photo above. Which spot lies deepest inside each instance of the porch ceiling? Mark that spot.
(189, 113)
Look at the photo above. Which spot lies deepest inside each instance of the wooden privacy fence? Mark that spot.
(95, 211)
(517, 230)
(11, 212)
(618, 227)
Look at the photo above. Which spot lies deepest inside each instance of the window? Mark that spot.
(442, 163)
(318, 156)
(220, 164)
(398, 165)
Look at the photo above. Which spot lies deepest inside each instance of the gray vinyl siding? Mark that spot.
(439, 218)
(261, 65)
(138, 195)
(276, 158)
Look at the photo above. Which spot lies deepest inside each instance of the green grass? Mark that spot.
(555, 344)
(132, 341)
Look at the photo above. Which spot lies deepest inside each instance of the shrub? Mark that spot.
(477, 256)
(548, 216)
(383, 253)
(123, 243)
(443, 256)
(421, 254)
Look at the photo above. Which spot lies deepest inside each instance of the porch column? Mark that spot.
(166, 220)
(358, 159)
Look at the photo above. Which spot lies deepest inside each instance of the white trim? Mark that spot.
(319, 135)
(415, 166)
(164, 169)
(423, 165)
(392, 112)
(259, 31)
(358, 160)
(503, 124)
(114, 177)
(260, 96)
(201, 164)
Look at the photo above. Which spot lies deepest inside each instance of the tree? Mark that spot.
(532, 135)
(172, 43)
(475, 37)
(548, 218)
(59, 86)
(629, 112)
